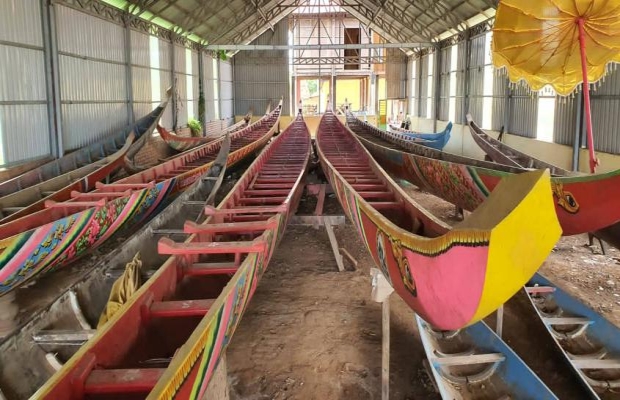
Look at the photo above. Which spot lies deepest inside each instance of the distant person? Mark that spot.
(300, 111)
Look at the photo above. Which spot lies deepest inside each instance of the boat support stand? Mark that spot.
(381, 291)
(328, 221)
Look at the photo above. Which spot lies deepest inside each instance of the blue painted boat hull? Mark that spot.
(512, 377)
(600, 333)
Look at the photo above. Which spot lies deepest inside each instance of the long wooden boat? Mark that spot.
(188, 310)
(153, 150)
(182, 143)
(70, 164)
(583, 203)
(589, 343)
(504, 154)
(476, 363)
(420, 135)
(79, 170)
(426, 260)
(61, 233)
(56, 331)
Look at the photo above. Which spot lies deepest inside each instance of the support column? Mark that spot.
(128, 72)
(437, 86)
(52, 78)
(578, 129)
(219, 88)
(173, 84)
(507, 106)
(465, 102)
(201, 93)
(419, 72)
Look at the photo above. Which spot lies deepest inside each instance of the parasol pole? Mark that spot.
(586, 94)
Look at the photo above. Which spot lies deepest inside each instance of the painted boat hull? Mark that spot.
(42, 247)
(189, 373)
(428, 269)
(599, 334)
(90, 292)
(94, 173)
(510, 377)
(184, 143)
(84, 156)
(504, 154)
(424, 136)
(583, 203)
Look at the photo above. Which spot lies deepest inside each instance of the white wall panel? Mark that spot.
(83, 34)
(140, 49)
(24, 122)
(20, 22)
(86, 123)
(92, 73)
(87, 80)
(24, 132)
(22, 74)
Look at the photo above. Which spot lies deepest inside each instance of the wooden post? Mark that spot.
(500, 321)
(381, 291)
(385, 350)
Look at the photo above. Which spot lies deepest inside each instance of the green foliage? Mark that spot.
(222, 55)
(195, 126)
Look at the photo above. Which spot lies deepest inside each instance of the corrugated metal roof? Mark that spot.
(241, 21)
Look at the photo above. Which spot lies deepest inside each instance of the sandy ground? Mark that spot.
(313, 333)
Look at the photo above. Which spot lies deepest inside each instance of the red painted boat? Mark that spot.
(583, 203)
(154, 149)
(54, 237)
(427, 261)
(79, 170)
(53, 332)
(182, 143)
(189, 309)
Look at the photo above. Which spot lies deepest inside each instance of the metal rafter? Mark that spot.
(388, 30)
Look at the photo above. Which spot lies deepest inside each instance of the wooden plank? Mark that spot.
(566, 321)
(468, 360)
(180, 308)
(215, 268)
(596, 364)
(168, 246)
(334, 244)
(316, 220)
(241, 227)
(385, 350)
(63, 336)
(539, 289)
(110, 381)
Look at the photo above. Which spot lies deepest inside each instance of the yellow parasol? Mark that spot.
(561, 43)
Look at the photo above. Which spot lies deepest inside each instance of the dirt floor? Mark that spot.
(313, 333)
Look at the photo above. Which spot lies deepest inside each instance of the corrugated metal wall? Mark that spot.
(461, 67)
(141, 74)
(209, 70)
(500, 83)
(444, 84)
(565, 119)
(256, 82)
(165, 78)
(476, 77)
(24, 124)
(180, 82)
(523, 111)
(227, 96)
(396, 74)
(606, 113)
(92, 77)
(423, 104)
